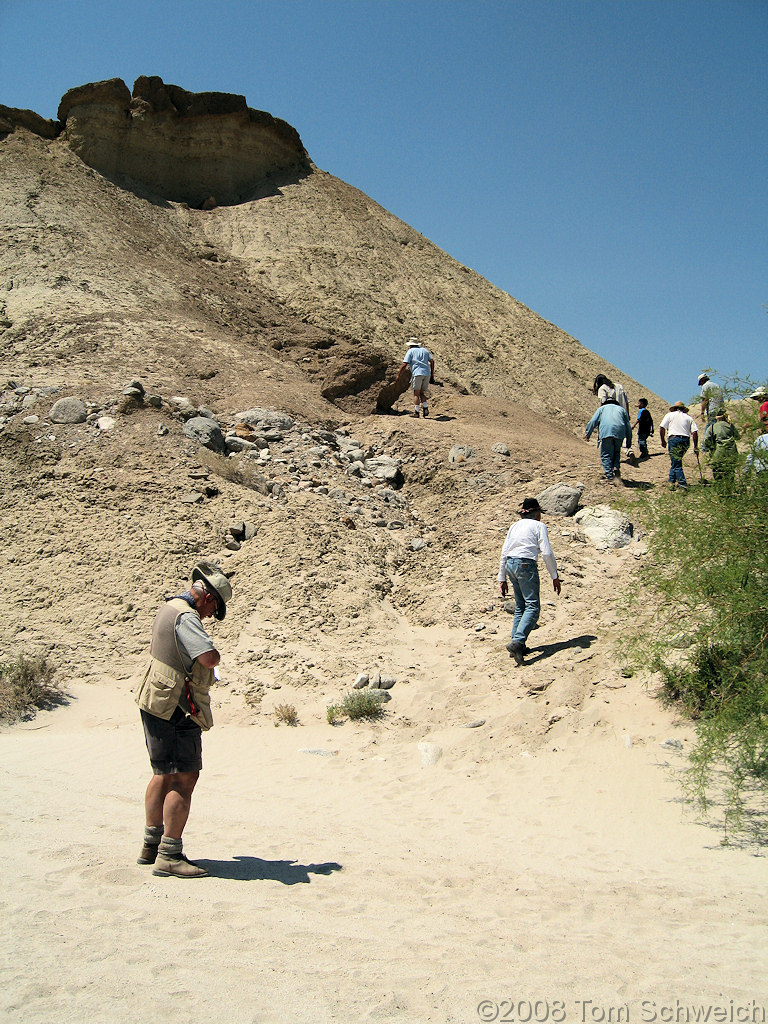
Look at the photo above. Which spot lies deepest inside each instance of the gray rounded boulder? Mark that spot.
(560, 499)
(206, 432)
(68, 410)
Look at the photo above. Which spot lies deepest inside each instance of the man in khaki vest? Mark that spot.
(175, 704)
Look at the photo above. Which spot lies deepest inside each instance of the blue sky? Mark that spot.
(603, 161)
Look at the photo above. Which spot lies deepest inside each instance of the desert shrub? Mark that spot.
(239, 470)
(357, 704)
(333, 714)
(704, 593)
(287, 714)
(26, 685)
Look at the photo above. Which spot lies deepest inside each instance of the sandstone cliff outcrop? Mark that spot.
(198, 148)
(12, 118)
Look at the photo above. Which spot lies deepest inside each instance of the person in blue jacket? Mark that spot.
(613, 427)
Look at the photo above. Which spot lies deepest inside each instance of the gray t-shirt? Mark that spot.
(714, 397)
(192, 639)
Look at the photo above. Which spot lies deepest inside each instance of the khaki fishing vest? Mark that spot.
(163, 687)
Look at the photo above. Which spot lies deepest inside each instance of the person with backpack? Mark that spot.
(719, 443)
(644, 427)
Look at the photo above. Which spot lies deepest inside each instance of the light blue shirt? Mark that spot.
(757, 459)
(611, 421)
(418, 359)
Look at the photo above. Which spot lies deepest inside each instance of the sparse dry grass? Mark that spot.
(27, 685)
(287, 714)
(239, 470)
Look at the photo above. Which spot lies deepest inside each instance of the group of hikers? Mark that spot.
(677, 431)
(173, 694)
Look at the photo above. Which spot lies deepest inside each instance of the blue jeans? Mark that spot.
(642, 443)
(610, 456)
(677, 446)
(523, 574)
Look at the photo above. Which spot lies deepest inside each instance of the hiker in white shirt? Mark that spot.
(526, 540)
(678, 429)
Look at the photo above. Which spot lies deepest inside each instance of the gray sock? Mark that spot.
(152, 835)
(170, 847)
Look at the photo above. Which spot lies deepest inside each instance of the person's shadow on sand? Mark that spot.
(547, 650)
(254, 869)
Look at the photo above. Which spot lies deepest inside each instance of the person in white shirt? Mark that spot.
(526, 540)
(681, 429)
(711, 398)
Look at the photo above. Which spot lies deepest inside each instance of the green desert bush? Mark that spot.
(704, 596)
(27, 685)
(357, 704)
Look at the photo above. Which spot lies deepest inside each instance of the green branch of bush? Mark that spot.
(366, 704)
(703, 599)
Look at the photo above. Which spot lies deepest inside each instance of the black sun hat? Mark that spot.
(529, 505)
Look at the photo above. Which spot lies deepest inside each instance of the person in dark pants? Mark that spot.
(613, 427)
(644, 427)
(676, 431)
(526, 540)
(175, 705)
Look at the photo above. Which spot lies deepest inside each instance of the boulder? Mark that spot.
(68, 410)
(605, 526)
(386, 469)
(206, 432)
(265, 419)
(560, 499)
(460, 453)
(182, 407)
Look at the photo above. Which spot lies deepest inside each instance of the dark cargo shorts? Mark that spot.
(174, 746)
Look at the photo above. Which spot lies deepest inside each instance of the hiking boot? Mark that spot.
(148, 854)
(415, 414)
(424, 411)
(178, 866)
(516, 652)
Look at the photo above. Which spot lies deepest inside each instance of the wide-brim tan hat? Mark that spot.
(760, 394)
(679, 405)
(215, 581)
(412, 342)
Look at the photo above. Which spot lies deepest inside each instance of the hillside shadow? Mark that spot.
(442, 418)
(547, 650)
(254, 869)
(165, 195)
